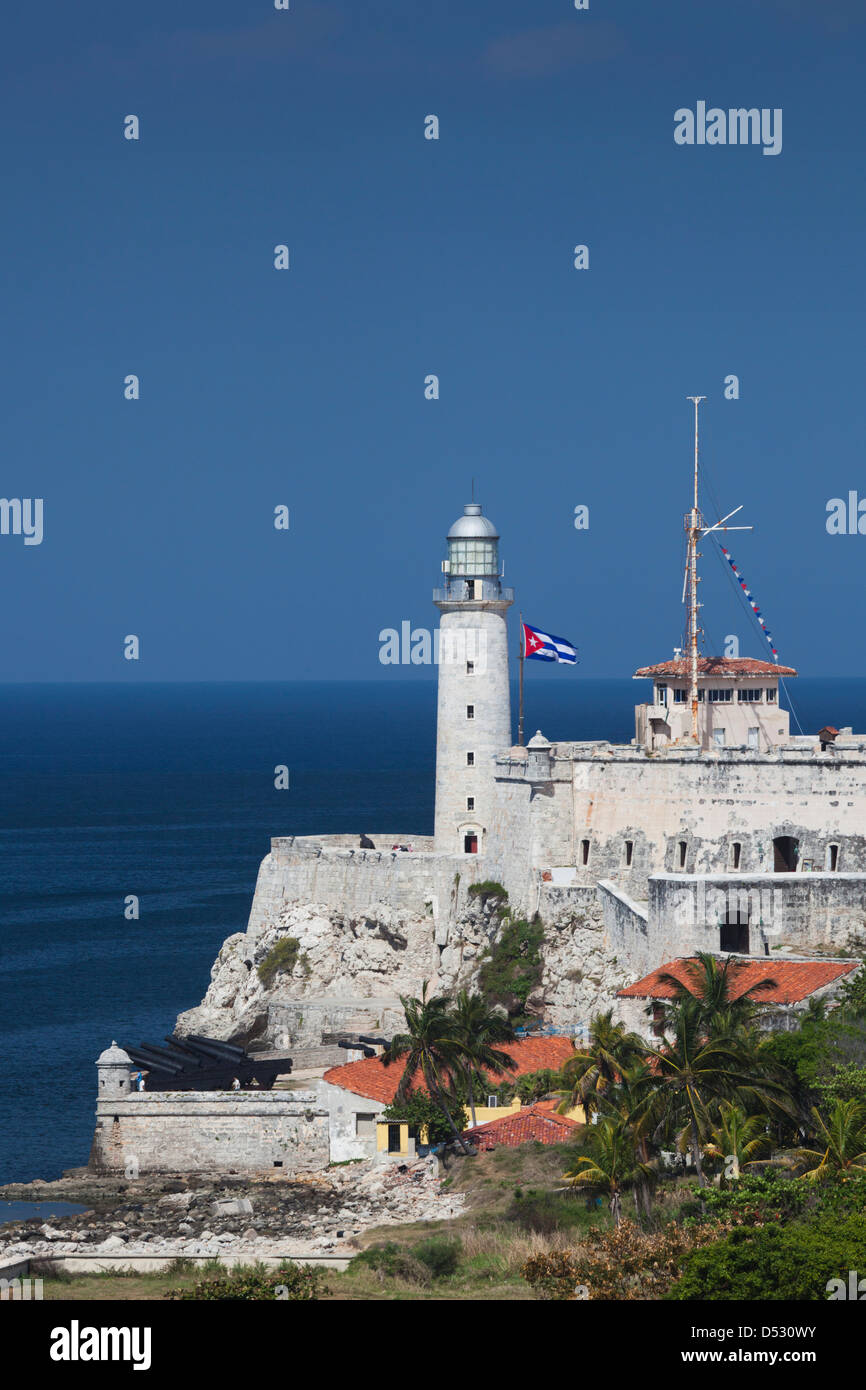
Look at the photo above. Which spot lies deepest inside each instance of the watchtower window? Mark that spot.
(470, 711)
(470, 759)
(683, 850)
(736, 847)
(629, 850)
(470, 668)
(832, 858)
(584, 851)
(470, 803)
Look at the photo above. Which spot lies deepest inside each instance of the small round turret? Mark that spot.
(538, 758)
(114, 1070)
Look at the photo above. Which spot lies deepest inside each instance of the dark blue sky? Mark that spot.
(411, 257)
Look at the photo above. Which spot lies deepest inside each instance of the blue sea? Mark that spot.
(167, 792)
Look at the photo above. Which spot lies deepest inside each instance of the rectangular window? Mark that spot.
(701, 694)
(771, 695)
(735, 855)
(470, 759)
(365, 1126)
(720, 697)
(470, 668)
(629, 850)
(832, 858)
(683, 849)
(719, 738)
(584, 851)
(754, 736)
(661, 694)
(470, 803)
(750, 696)
(679, 697)
(470, 711)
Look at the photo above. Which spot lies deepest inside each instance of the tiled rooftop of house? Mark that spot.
(537, 1123)
(717, 666)
(372, 1078)
(794, 980)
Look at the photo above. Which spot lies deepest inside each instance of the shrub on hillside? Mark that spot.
(622, 1265)
(440, 1254)
(286, 1282)
(281, 959)
(775, 1263)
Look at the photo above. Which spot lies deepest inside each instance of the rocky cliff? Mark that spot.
(348, 972)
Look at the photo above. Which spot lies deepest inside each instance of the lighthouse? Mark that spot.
(473, 721)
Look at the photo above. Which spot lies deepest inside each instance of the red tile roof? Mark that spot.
(370, 1077)
(795, 979)
(534, 1123)
(726, 666)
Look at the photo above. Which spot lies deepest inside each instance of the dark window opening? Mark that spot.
(786, 851)
(470, 844)
(734, 936)
(470, 759)
(278, 1163)
(683, 849)
(470, 711)
(393, 1139)
(629, 849)
(735, 855)
(584, 851)
(833, 860)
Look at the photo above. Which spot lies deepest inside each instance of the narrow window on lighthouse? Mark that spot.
(470, 711)
(629, 850)
(470, 803)
(470, 759)
(470, 668)
(584, 851)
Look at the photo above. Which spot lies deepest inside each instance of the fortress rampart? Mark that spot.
(210, 1131)
(334, 871)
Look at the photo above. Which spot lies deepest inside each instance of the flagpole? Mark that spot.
(522, 659)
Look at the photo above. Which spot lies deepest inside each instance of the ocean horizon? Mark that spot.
(166, 791)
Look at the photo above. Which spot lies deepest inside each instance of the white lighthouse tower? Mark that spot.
(474, 710)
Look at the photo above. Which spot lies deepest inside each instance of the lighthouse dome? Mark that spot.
(472, 525)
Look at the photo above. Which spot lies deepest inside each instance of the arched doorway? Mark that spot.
(786, 852)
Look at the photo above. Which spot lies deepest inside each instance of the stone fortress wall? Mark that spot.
(210, 1131)
(679, 811)
(334, 871)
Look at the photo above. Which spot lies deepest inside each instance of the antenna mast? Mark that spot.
(694, 524)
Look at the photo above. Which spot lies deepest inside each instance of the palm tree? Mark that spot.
(709, 983)
(738, 1136)
(843, 1137)
(478, 1028)
(695, 1073)
(589, 1075)
(611, 1161)
(431, 1047)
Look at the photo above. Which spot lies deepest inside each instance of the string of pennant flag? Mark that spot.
(752, 604)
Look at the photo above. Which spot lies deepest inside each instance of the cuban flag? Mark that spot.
(543, 646)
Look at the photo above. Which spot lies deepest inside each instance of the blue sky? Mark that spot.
(410, 257)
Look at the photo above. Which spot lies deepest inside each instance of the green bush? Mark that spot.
(775, 1263)
(512, 966)
(285, 1282)
(390, 1261)
(756, 1201)
(281, 959)
(440, 1254)
(546, 1212)
(488, 889)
